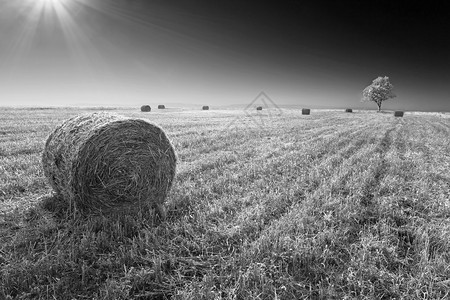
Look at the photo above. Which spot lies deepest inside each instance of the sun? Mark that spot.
(51, 1)
(43, 15)
(55, 4)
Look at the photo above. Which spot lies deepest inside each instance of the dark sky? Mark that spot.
(132, 52)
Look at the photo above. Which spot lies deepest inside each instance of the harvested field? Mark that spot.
(330, 206)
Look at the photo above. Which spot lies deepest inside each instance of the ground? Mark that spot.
(265, 205)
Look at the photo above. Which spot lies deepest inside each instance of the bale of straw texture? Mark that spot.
(259, 108)
(205, 107)
(398, 114)
(103, 162)
(349, 110)
(146, 108)
(306, 111)
(161, 106)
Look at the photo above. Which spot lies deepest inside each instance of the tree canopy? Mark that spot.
(380, 90)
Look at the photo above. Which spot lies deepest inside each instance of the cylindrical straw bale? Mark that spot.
(306, 111)
(146, 108)
(105, 161)
(205, 107)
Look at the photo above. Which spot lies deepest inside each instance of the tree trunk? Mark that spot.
(379, 107)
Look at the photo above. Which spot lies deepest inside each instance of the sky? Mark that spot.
(308, 53)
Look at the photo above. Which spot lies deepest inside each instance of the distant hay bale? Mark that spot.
(161, 106)
(306, 111)
(146, 108)
(398, 114)
(259, 108)
(205, 107)
(101, 162)
(349, 110)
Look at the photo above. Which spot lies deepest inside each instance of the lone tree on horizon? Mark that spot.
(380, 90)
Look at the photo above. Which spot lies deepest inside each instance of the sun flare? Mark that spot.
(52, 1)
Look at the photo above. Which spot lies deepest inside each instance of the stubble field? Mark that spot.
(268, 205)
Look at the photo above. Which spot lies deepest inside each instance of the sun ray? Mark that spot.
(53, 40)
(86, 58)
(21, 45)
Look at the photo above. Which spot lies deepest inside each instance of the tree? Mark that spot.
(380, 90)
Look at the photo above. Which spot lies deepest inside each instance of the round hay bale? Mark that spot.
(146, 108)
(161, 106)
(306, 111)
(101, 162)
(205, 107)
(259, 108)
(349, 110)
(398, 114)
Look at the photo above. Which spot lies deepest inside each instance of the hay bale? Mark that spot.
(259, 108)
(101, 162)
(161, 106)
(398, 114)
(146, 108)
(306, 111)
(205, 107)
(349, 110)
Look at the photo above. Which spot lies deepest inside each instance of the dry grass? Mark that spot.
(333, 206)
